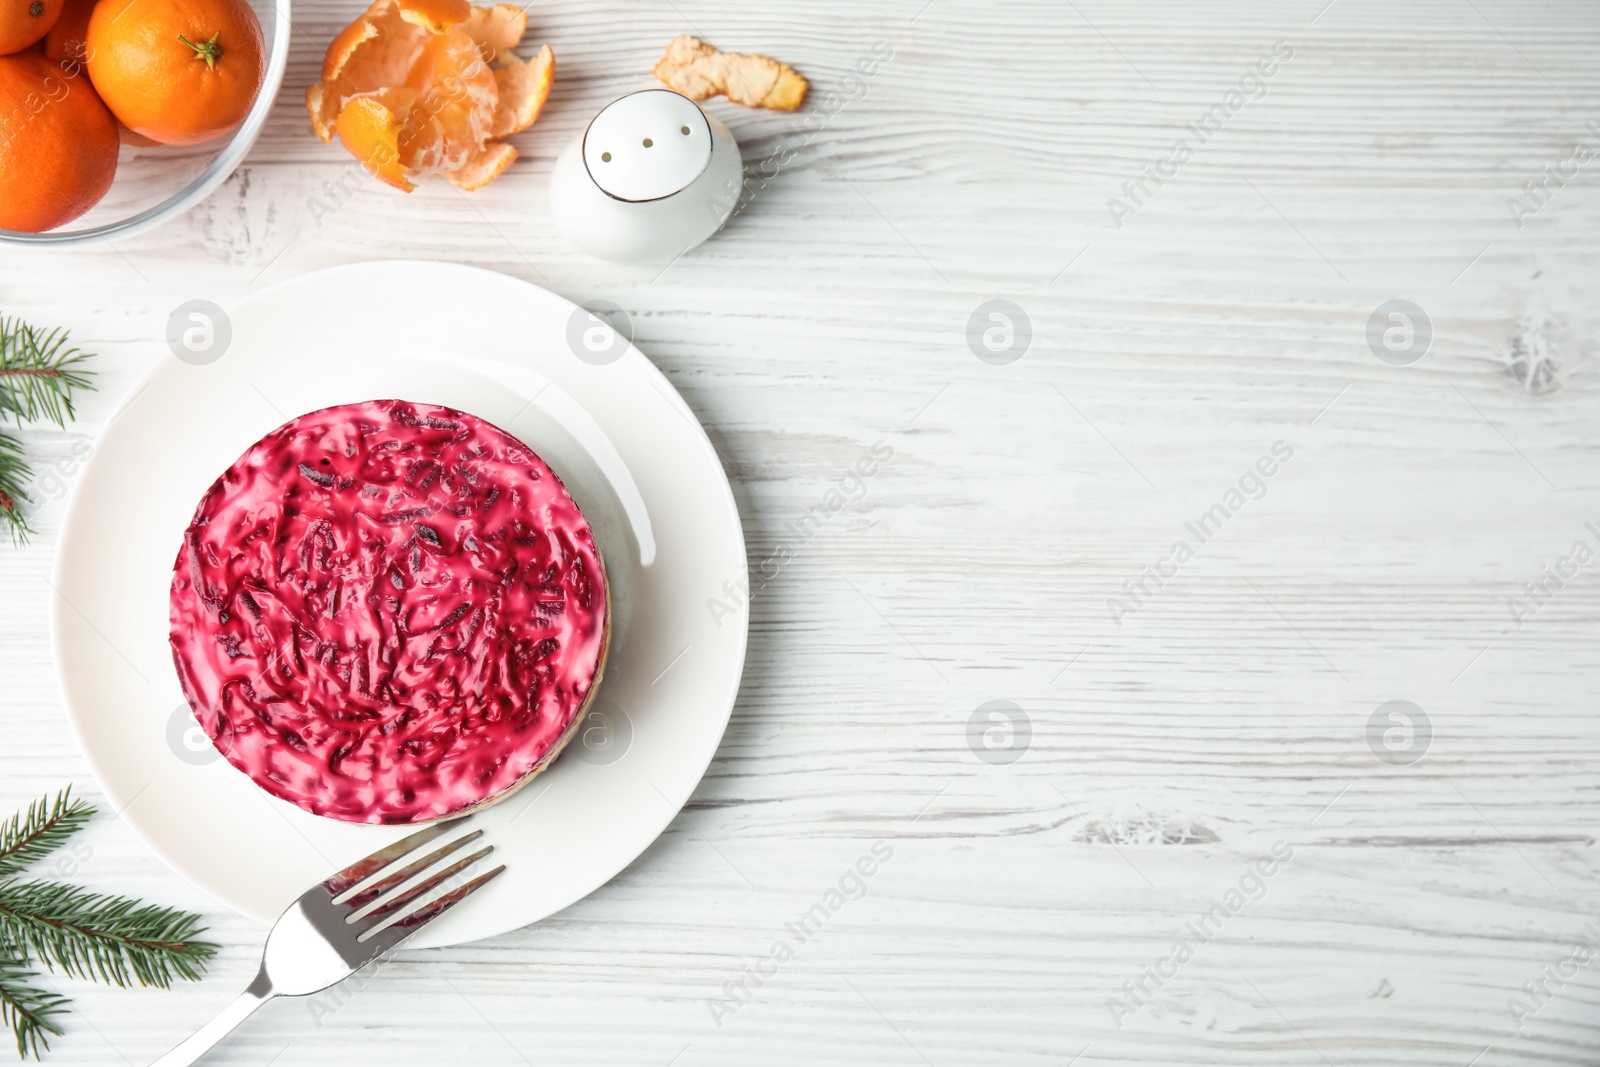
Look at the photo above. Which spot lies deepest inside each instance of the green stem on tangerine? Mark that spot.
(209, 51)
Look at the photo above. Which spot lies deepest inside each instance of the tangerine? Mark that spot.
(58, 144)
(177, 71)
(22, 22)
(68, 38)
(409, 90)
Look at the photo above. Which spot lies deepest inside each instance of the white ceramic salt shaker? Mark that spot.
(651, 177)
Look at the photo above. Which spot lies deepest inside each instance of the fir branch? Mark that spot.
(47, 824)
(38, 373)
(14, 475)
(79, 933)
(27, 1009)
(97, 935)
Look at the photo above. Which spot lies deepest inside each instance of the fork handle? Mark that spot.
(207, 1036)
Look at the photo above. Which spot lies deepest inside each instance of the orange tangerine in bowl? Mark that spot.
(58, 144)
(22, 22)
(179, 72)
(68, 38)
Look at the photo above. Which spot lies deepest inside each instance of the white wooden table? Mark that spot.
(1030, 910)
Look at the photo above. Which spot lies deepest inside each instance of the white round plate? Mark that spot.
(623, 441)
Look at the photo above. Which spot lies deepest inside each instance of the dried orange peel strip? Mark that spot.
(409, 90)
(697, 70)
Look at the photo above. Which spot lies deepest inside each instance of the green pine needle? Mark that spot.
(99, 935)
(26, 1009)
(77, 932)
(38, 373)
(45, 826)
(14, 476)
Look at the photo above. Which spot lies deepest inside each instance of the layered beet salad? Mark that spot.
(388, 612)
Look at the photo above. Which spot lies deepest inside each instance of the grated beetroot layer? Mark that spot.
(387, 612)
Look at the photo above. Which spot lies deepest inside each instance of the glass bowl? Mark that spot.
(159, 183)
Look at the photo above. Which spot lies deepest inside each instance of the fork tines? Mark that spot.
(375, 901)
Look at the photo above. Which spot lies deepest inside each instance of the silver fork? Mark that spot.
(340, 925)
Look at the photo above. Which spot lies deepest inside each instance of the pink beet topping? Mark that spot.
(387, 612)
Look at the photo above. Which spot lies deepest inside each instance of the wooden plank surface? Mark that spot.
(1176, 737)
